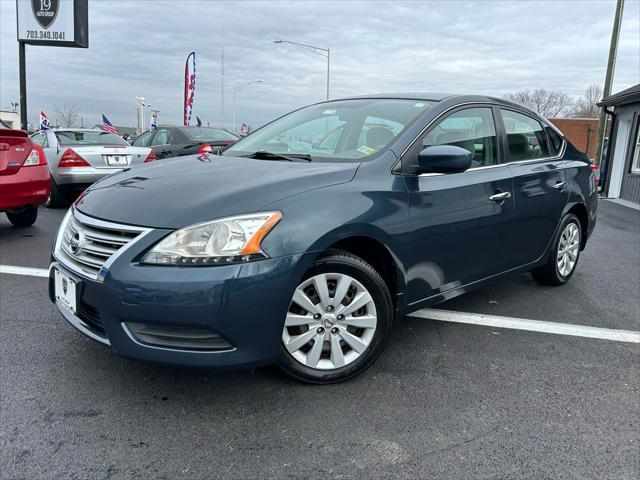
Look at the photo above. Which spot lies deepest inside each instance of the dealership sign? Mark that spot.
(62, 23)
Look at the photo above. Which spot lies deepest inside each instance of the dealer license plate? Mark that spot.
(65, 289)
(117, 160)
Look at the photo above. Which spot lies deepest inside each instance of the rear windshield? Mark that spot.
(90, 137)
(203, 133)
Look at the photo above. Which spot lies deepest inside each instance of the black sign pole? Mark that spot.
(23, 85)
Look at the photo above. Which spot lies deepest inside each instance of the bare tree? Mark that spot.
(587, 105)
(547, 103)
(67, 116)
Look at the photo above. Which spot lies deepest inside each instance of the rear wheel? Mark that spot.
(24, 217)
(564, 254)
(338, 320)
(56, 198)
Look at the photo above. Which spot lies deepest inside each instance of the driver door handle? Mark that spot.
(500, 197)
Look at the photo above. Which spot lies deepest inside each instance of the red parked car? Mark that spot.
(24, 177)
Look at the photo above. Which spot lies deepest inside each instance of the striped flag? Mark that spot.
(153, 124)
(44, 121)
(106, 125)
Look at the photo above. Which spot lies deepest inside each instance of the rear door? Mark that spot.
(461, 223)
(540, 185)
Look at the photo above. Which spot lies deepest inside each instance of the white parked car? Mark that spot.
(79, 157)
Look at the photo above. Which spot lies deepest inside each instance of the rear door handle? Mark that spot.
(500, 197)
(560, 186)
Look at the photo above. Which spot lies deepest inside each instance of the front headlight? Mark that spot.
(223, 241)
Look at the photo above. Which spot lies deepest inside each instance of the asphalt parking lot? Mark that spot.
(445, 400)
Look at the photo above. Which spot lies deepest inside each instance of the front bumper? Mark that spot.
(245, 304)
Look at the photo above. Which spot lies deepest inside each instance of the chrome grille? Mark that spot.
(87, 244)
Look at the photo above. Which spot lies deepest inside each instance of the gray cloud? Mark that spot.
(139, 48)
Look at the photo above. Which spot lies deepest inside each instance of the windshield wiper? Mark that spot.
(294, 157)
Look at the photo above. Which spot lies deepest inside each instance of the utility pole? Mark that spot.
(23, 84)
(222, 90)
(613, 52)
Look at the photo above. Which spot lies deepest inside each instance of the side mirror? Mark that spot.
(444, 159)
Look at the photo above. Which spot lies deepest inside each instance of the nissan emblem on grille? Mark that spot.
(76, 242)
(88, 244)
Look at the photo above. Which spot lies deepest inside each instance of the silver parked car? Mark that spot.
(79, 157)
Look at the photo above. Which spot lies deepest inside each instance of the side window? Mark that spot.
(163, 137)
(526, 139)
(555, 141)
(635, 148)
(472, 129)
(142, 140)
(41, 139)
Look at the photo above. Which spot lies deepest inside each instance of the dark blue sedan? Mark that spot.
(306, 240)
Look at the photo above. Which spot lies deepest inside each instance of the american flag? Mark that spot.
(106, 125)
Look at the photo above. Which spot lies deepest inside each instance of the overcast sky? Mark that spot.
(138, 48)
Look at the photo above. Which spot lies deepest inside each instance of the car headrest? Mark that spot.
(378, 137)
(518, 145)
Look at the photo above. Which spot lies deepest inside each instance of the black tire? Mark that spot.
(549, 273)
(56, 197)
(24, 217)
(340, 262)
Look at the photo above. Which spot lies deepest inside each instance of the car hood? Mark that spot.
(181, 191)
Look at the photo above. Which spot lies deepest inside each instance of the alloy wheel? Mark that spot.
(330, 322)
(568, 249)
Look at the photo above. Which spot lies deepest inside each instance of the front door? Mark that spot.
(460, 222)
(161, 143)
(541, 191)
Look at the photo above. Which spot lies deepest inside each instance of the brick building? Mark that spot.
(581, 132)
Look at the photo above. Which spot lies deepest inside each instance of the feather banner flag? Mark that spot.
(189, 86)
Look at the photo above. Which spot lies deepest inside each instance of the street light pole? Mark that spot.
(328, 61)
(235, 91)
(141, 106)
(317, 50)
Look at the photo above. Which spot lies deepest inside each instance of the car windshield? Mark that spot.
(203, 133)
(345, 130)
(88, 137)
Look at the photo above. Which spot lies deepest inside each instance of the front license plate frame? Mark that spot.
(65, 289)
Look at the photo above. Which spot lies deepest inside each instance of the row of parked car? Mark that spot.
(52, 167)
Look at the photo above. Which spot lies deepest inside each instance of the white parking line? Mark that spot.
(529, 325)
(29, 271)
(459, 317)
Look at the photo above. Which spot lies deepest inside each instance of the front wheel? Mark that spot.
(24, 217)
(564, 254)
(338, 320)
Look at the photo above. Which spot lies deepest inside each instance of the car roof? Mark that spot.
(433, 97)
(429, 96)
